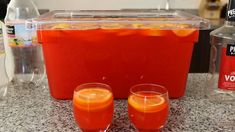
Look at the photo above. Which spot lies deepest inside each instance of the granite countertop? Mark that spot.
(32, 109)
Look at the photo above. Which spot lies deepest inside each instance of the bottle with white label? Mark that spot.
(26, 52)
(3, 74)
(221, 81)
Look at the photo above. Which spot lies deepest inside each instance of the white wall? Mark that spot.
(113, 4)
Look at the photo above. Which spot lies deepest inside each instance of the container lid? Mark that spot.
(128, 18)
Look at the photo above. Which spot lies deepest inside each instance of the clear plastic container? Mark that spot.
(25, 53)
(121, 48)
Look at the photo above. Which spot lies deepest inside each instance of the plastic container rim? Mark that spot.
(112, 16)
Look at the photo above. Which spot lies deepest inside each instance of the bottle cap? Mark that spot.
(231, 11)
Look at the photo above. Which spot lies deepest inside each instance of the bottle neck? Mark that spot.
(230, 14)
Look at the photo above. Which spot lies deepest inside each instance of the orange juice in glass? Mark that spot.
(93, 107)
(148, 107)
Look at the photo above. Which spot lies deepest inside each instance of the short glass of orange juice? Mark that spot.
(148, 107)
(93, 107)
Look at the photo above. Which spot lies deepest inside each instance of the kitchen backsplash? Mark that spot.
(114, 4)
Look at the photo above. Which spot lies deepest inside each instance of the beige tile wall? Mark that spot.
(113, 4)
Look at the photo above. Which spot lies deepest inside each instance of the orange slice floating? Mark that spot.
(148, 105)
(154, 32)
(112, 26)
(92, 98)
(183, 32)
(84, 26)
(61, 26)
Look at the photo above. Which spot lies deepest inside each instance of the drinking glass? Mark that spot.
(93, 107)
(148, 107)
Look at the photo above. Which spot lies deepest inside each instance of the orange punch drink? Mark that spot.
(118, 54)
(117, 47)
(93, 107)
(148, 107)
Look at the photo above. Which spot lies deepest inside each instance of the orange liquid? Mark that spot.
(148, 117)
(118, 57)
(93, 115)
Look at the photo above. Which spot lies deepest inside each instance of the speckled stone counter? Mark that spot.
(32, 110)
